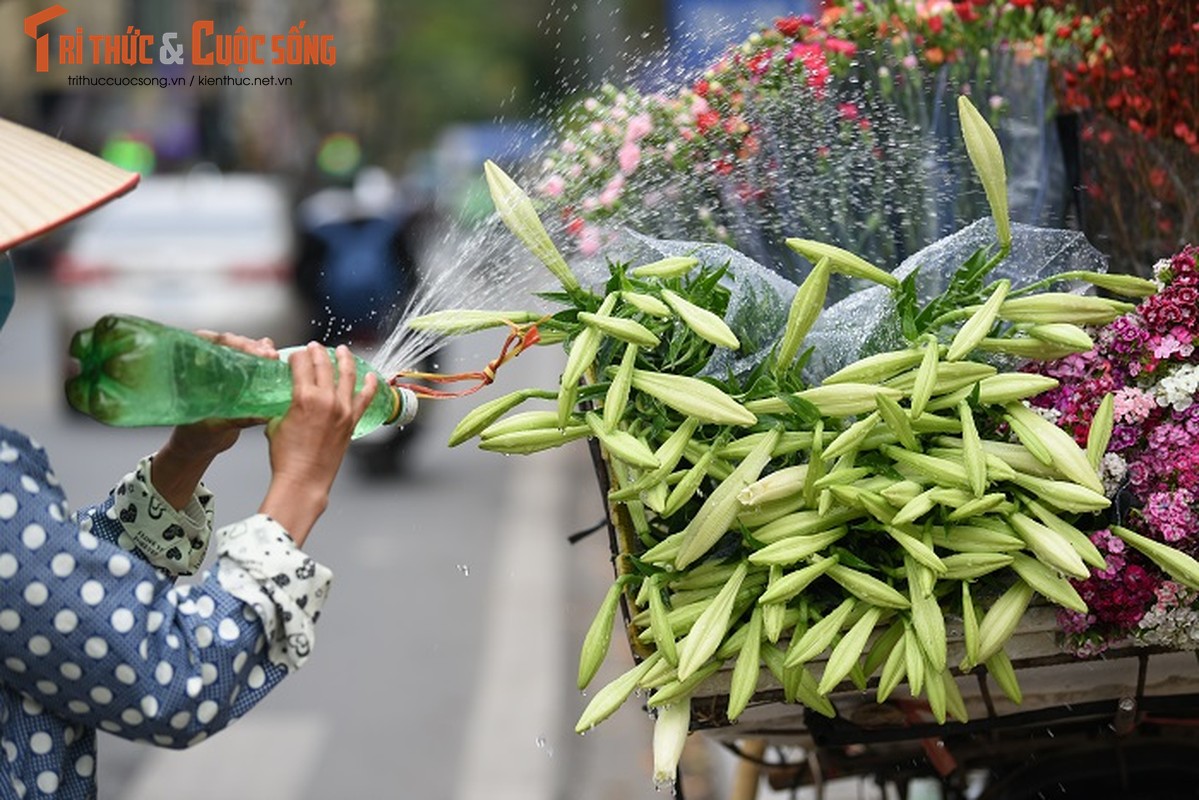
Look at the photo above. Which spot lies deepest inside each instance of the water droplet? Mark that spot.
(465, 570)
(543, 745)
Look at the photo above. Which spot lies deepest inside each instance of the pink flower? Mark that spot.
(842, 46)
(629, 157)
(1133, 405)
(640, 125)
(553, 186)
(589, 242)
(1170, 516)
(611, 192)
(814, 63)
(1170, 345)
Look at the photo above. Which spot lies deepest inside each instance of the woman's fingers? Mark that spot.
(302, 367)
(370, 385)
(264, 347)
(347, 375)
(322, 365)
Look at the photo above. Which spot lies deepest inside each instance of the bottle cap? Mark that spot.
(404, 406)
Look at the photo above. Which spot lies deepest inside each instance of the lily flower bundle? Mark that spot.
(819, 535)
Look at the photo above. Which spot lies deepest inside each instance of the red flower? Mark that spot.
(788, 26)
(760, 63)
(701, 88)
(1023, 3)
(1184, 132)
(705, 120)
(936, 24)
(814, 63)
(965, 12)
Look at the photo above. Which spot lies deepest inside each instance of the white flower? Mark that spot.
(1159, 272)
(1178, 389)
(1050, 414)
(1112, 470)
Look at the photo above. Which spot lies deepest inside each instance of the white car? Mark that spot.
(194, 251)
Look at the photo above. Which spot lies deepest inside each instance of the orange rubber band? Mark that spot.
(520, 337)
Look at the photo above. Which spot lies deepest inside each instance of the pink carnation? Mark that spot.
(1170, 515)
(629, 157)
(611, 192)
(842, 46)
(1133, 405)
(640, 126)
(589, 241)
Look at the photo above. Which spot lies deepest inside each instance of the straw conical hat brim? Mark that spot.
(45, 182)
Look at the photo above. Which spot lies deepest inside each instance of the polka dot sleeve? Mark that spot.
(94, 636)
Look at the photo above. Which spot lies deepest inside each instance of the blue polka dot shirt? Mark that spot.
(92, 636)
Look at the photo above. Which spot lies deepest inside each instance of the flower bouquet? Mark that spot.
(838, 129)
(762, 149)
(1138, 99)
(1146, 361)
(919, 55)
(785, 538)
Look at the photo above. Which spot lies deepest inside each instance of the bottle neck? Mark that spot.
(397, 402)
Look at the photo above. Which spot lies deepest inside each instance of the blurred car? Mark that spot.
(194, 251)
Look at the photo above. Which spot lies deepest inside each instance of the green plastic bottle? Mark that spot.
(135, 372)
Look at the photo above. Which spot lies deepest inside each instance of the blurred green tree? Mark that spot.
(437, 64)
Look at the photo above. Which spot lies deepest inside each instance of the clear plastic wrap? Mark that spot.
(866, 320)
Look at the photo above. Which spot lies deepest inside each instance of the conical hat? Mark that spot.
(45, 182)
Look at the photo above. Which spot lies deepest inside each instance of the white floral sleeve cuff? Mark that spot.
(259, 564)
(170, 539)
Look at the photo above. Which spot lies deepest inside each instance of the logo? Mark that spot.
(32, 22)
(208, 47)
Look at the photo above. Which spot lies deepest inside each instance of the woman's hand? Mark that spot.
(209, 438)
(182, 461)
(308, 443)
